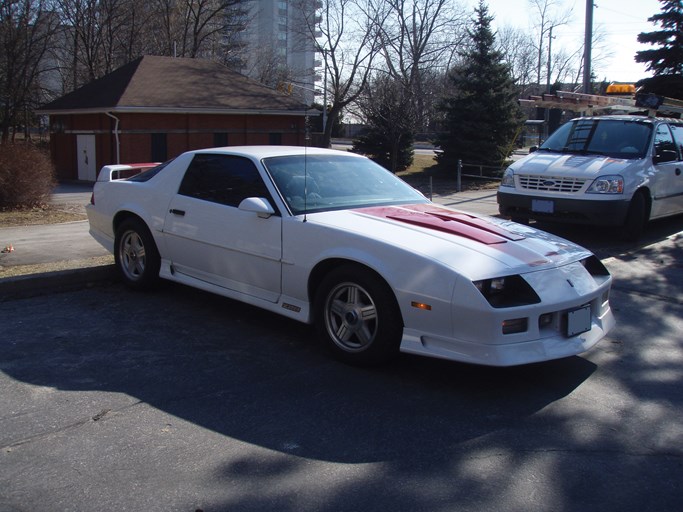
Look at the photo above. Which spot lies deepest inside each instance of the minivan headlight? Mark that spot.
(607, 185)
(508, 178)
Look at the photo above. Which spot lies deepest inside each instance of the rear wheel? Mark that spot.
(357, 317)
(136, 255)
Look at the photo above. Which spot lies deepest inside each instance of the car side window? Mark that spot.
(663, 140)
(677, 131)
(223, 179)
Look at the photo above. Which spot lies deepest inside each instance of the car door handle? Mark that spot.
(678, 172)
(177, 212)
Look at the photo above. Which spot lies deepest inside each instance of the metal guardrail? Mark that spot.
(479, 171)
(485, 172)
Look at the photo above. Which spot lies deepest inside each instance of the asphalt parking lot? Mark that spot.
(178, 400)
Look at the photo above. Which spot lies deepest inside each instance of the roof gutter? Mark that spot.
(116, 136)
(179, 110)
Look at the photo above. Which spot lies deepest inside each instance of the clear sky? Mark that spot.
(619, 20)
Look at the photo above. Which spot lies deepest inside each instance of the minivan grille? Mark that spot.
(551, 183)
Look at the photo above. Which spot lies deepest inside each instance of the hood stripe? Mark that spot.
(446, 221)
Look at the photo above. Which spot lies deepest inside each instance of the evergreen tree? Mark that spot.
(388, 112)
(482, 115)
(666, 60)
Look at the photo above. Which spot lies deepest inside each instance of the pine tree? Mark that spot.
(388, 110)
(666, 60)
(483, 115)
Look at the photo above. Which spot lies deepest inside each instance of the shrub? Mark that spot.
(27, 176)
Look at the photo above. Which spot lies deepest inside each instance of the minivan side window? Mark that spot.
(663, 140)
(677, 130)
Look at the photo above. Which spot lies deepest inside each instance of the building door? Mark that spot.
(87, 163)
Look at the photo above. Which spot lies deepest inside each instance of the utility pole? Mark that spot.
(588, 42)
(550, 56)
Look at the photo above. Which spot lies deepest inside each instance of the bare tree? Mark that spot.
(547, 15)
(27, 31)
(518, 49)
(346, 36)
(268, 67)
(99, 36)
(419, 37)
(199, 28)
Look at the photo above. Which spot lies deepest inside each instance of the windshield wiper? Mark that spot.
(581, 151)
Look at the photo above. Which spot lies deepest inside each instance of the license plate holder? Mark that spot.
(578, 320)
(542, 206)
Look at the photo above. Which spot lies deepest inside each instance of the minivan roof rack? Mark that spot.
(590, 104)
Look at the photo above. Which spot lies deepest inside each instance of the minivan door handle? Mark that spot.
(177, 212)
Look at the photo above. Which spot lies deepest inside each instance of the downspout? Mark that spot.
(116, 136)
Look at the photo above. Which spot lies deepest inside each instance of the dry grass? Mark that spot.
(421, 164)
(46, 214)
(23, 270)
(425, 176)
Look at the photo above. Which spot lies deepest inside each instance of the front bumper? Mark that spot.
(510, 354)
(599, 212)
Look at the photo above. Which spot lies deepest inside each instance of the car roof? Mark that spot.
(260, 152)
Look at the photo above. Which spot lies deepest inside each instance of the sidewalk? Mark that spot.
(71, 242)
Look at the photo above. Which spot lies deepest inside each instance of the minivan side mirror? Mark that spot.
(666, 155)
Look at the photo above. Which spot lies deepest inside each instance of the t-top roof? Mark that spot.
(174, 85)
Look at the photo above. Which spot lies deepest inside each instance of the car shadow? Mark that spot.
(262, 379)
(608, 241)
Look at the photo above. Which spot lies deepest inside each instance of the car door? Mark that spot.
(667, 181)
(676, 179)
(209, 238)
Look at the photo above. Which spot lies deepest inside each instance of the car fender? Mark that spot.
(413, 277)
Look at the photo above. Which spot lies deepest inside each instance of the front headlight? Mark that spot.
(607, 185)
(508, 178)
(507, 292)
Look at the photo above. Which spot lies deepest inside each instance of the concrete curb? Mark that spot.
(50, 282)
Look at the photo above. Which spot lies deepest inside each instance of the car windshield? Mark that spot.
(314, 183)
(615, 138)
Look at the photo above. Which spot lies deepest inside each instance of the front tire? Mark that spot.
(357, 317)
(136, 255)
(636, 218)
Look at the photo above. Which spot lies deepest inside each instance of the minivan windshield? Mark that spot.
(616, 138)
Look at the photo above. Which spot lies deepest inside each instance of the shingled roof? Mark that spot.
(152, 84)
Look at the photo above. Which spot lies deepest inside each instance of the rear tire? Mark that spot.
(136, 255)
(357, 317)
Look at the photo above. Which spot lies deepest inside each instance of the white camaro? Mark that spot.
(331, 238)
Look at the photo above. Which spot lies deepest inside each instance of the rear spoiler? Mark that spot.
(123, 171)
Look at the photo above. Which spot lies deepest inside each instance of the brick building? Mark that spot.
(155, 108)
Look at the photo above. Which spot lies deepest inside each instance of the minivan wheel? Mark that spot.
(636, 218)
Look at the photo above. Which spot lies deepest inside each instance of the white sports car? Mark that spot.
(331, 238)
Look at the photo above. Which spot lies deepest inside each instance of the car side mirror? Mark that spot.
(258, 205)
(533, 149)
(666, 155)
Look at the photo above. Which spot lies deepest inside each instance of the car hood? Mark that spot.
(477, 246)
(568, 164)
